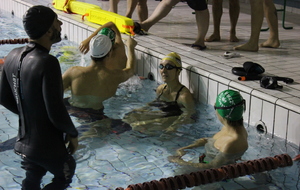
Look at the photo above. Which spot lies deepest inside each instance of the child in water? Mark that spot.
(227, 145)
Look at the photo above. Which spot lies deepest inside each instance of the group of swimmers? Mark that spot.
(32, 87)
(173, 107)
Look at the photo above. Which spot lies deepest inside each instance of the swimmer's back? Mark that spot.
(91, 87)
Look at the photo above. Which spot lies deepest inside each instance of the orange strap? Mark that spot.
(130, 29)
(2, 60)
(86, 14)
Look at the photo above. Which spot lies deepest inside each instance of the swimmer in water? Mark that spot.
(230, 143)
(173, 107)
(31, 86)
(109, 67)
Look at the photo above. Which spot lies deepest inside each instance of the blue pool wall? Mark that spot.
(204, 74)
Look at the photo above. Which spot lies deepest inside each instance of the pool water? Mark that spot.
(112, 160)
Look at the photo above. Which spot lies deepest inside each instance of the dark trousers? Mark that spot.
(62, 169)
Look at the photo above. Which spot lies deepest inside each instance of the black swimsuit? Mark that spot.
(169, 108)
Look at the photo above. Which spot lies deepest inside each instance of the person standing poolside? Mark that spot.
(31, 86)
(131, 5)
(258, 9)
(163, 9)
(227, 145)
(217, 11)
(173, 107)
(142, 9)
(93, 84)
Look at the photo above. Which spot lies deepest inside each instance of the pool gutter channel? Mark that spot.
(204, 74)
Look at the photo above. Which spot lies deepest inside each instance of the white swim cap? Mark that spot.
(100, 45)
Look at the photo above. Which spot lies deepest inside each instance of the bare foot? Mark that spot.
(213, 38)
(233, 38)
(270, 43)
(246, 47)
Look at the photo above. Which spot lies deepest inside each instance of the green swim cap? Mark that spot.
(230, 105)
(108, 32)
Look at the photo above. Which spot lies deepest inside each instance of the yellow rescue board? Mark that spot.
(95, 14)
(99, 16)
(73, 6)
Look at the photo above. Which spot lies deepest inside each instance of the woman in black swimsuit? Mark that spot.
(173, 107)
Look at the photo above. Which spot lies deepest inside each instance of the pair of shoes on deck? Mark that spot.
(198, 47)
(137, 29)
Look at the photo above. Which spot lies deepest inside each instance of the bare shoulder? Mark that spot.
(186, 92)
(235, 145)
(75, 70)
(185, 95)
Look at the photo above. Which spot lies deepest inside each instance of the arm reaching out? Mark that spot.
(130, 64)
(200, 142)
(84, 46)
(297, 157)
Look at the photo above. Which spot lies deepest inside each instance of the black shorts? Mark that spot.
(85, 114)
(197, 5)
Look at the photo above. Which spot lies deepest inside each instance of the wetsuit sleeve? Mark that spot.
(53, 97)
(6, 95)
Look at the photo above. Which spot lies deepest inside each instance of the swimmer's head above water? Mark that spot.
(100, 45)
(174, 58)
(38, 20)
(230, 105)
(108, 32)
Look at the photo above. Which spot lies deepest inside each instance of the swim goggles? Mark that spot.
(269, 82)
(168, 67)
(243, 102)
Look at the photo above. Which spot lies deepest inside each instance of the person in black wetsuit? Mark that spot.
(31, 86)
(173, 107)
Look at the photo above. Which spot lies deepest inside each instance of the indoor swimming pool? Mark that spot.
(118, 158)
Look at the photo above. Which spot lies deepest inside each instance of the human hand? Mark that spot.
(169, 129)
(297, 157)
(84, 46)
(130, 42)
(180, 152)
(72, 144)
(174, 159)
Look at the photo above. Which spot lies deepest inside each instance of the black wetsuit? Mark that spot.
(43, 118)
